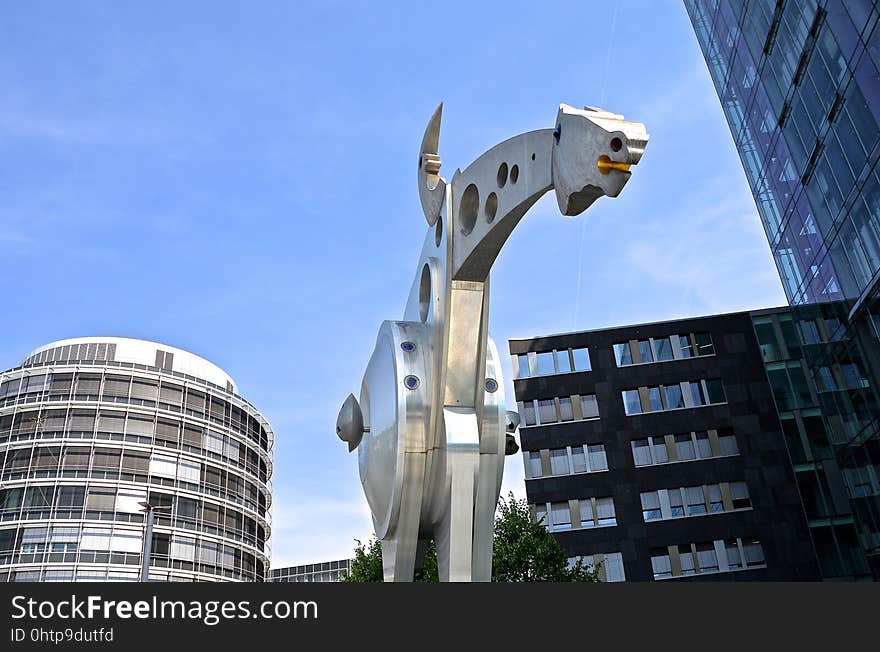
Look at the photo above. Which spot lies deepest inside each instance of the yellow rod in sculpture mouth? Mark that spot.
(605, 165)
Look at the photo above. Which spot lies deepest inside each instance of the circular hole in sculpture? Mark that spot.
(533, 156)
(491, 385)
(616, 144)
(514, 174)
(502, 175)
(468, 209)
(438, 231)
(425, 293)
(409, 347)
(491, 206)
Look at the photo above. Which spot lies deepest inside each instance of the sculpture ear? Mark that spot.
(432, 187)
(350, 423)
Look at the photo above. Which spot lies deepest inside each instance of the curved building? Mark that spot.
(91, 428)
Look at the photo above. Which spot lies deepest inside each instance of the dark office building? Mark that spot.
(799, 83)
(658, 449)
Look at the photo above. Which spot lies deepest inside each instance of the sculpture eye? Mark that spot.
(411, 382)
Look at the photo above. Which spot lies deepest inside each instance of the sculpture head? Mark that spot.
(580, 176)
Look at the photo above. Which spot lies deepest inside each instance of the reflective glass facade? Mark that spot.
(84, 440)
(327, 571)
(799, 84)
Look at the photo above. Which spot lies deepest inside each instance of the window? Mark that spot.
(528, 413)
(734, 560)
(651, 506)
(545, 363)
(589, 406)
(631, 402)
(697, 396)
(655, 403)
(533, 464)
(598, 460)
(581, 359)
(560, 516)
(522, 366)
(704, 344)
(161, 465)
(129, 500)
(704, 447)
(622, 354)
(641, 452)
(684, 343)
(661, 455)
(696, 502)
(753, 553)
(739, 494)
(101, 499)
(676, 504)
(164, 359)
(684, 447)
(559, 461)
(706, 558)
(578, 459)
(715, 502)
(563, 362)
(645, 351)
(686, 557)
(715, 391)
(541, 515)
(565, 409)
(674, 399)
(547, 410)
(660, 563)
(605, 511)
(612, 564)
(663, 347)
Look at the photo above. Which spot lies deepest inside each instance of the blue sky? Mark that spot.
(239, 180)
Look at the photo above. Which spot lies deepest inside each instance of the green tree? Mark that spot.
(522, 552)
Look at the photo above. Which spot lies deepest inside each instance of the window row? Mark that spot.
(123, 504)
(132, 427)
(679, 502)
(674, 347)
(609, 565)
(546, 363)
(558, 409)
(862, 481)
(576, 514)
(133, 466)
(112, 388)
(587, 458)
(699, 445)
(720, 556)
(687, 394)
(70, 572)
(124, 545)
(81, 351)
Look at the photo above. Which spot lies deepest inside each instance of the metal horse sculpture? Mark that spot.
(430, 423)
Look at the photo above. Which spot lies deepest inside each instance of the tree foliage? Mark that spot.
(522, 552)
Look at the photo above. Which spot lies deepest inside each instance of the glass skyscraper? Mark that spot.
(799, 83)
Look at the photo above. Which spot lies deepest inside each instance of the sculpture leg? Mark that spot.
(454, 534)
(484, 515)
(399, 548)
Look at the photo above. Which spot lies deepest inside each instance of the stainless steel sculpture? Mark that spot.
(430, 422)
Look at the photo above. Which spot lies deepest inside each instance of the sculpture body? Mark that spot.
(430, 423)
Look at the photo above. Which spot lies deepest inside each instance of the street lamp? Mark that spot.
(148, 537)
